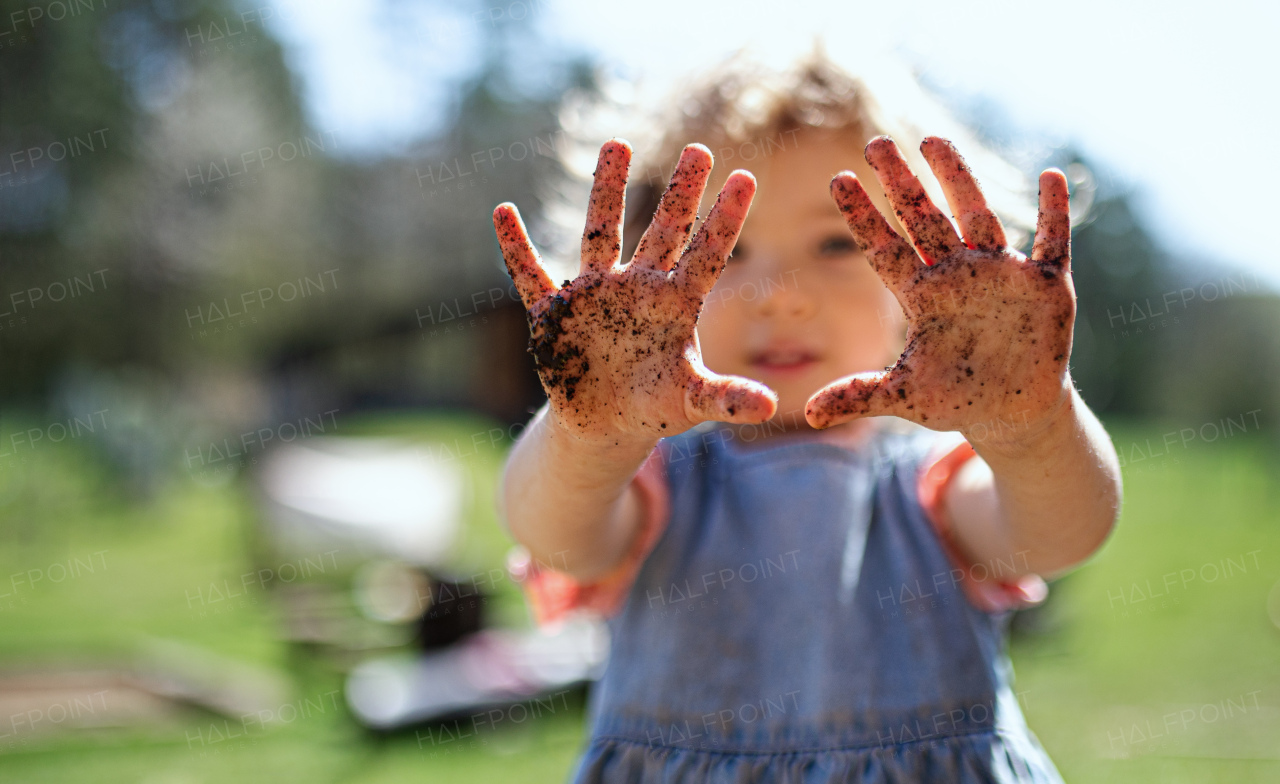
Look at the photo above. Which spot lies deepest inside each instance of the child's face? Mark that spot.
(797, 305)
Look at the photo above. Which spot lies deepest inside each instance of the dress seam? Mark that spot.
(759, 753)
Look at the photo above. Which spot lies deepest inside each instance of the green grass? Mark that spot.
(1125, 650)
(1105, 660)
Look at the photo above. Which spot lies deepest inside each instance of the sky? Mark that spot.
(1175, 99)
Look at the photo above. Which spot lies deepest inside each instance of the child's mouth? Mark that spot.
(788, 362)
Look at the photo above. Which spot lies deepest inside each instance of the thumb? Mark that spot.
(860, 395)
(710, 396)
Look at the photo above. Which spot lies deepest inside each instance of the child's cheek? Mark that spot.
(875, 318)
(722, 343)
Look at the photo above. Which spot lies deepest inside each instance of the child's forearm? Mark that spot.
(1051, 498)
(569, 500)
(617, 353)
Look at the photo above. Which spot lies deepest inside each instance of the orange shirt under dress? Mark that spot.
(553, 594)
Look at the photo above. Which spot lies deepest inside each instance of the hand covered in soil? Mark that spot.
(989, 330)
(616, 348)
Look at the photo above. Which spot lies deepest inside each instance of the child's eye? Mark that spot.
(738, 253)
(837, 246)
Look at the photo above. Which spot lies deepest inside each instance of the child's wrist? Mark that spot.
(1029, 436)
(603, 444)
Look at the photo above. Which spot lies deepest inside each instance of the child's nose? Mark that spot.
(783, 294)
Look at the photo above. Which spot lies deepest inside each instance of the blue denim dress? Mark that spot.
(799, 621)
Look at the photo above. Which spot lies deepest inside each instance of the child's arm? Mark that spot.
(618, 357)
(1043, 503)
(988, 343)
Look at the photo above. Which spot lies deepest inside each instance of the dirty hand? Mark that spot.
(616, 348)
(989, 330)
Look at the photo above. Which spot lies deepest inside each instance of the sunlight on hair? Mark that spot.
(749, 97)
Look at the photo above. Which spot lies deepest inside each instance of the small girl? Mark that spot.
(799, 586)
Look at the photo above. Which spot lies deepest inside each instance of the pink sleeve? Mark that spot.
(553, 594)
(986, 594)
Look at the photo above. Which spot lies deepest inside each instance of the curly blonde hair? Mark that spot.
(743, 111)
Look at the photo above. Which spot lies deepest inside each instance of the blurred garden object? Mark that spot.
(357, 531)
(388, 604)
(487, 670)
(442, 612)
(369, 497)
(374, 525)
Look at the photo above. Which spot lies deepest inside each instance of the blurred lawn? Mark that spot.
(1101, 675)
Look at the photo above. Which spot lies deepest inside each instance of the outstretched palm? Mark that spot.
(616, 348)
(989, 331)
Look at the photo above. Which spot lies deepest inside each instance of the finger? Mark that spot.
(933, 235)
(881, 393)
(523, 264)
(1053, 226)
(602, 237)
(711, 396)
(704, 259)
(672, 224)
(979, 225)
(891, 256)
